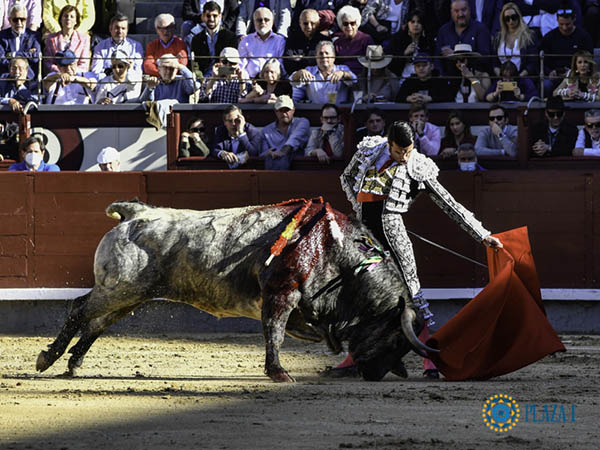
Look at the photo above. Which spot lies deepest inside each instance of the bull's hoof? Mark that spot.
(340, 372)
(400, 370)
(43, 361)
(281, 376)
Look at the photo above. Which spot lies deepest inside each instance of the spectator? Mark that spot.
(500, 138)
(456, 134)
(281, 16)
(473, 83)
(284, 137)
(582, 82)
(425, 85)
(15, 88)
(194, 141)
(34, 13)
(510, 88)
(32, 156)
(409, 41)
(488, 13)
(69, 86)
(109, 160)
(326, 9)
(236, 140)
(193, 11)
(566, 39)
(461, 30)
(588, 139)
(541, 15)
(467, 158)
(261, 45)
(268, 85)
(515, 42)
(553, 136)
(351, 42)
(303, 42)
(381, 18)
(211, 39)
(228, 82)
(167, 43)
(176, 81)
(374, 125)
(19, 41)
(52, 8)
(591, 19)
(122, 86)
(427, 135)
(68, 38)
(377, 83)
(327, 141)
(118, 40)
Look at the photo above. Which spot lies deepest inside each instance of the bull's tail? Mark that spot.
(128, 210)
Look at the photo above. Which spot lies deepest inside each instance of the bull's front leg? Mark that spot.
(276, 310)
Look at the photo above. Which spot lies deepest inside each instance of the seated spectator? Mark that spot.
(284, 137)
(34, 13)
(15, 88)
(229, 82)
(553, 136)
(303, 42)
(268, 85)
(211, 39)
(515, 42)
(582, 82)
(374, 125)
(69, 86)
(351, 42)
(236, 140)
(193, 21)
(123, 85)
(194, 141)
(327, 141)
(19, 41)
(326, 82)
(563, 40)
(380, 18)
(167, 43)
(473, 83)
(109, 160)
(425, 85)
(457, 133)
(51, 12)
(500, 138)
(510, 88)
(176, 81)
(326, 10)
(118, 41)
(377, 83)
(68, 38)
(428, 136)
(462, 29)
(588, 139)
(409, 41)
(281, 17)
(256, 48)
(32, 156)
(541, 15)
(467, 158)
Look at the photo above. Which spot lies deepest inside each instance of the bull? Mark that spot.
(300, 267)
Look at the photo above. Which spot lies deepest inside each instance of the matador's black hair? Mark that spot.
(401, 133)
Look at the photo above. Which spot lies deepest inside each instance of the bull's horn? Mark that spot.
(408, 317)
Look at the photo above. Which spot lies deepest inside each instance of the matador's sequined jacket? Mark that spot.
(402, 184)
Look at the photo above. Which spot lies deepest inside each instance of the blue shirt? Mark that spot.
(296, 137)
(179, 89)
(105, 48)
(476, 34)
(23, 167)
(318, 91)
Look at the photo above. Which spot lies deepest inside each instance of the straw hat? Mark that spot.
(375, 58)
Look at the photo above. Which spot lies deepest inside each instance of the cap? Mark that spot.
(65, 58)
(422, 57)
(121, 56)
(284, 101)
(231, 54)
(108, 155)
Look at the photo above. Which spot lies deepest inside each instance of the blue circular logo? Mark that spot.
(500, 413)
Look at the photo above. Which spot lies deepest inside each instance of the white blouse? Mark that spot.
(510, 54)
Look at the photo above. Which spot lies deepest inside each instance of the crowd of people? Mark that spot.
(316, 51)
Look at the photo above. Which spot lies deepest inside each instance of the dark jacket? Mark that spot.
(225, 38)
(490, 14)
(437, 88)
(249, 142)
(30, 48)
(528, 55)
(192, 11)
(297, 45)
(398, 44)
(563, 143)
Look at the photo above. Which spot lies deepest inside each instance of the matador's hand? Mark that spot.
(492, 242)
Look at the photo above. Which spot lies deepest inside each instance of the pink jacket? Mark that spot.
(80, 45)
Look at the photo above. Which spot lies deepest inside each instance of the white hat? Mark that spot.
(465, 50)
(284, 101)
(231, 54)
(375, 57)
(108, 155)
(122, 56)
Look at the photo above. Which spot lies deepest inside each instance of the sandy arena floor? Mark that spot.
(209, 392)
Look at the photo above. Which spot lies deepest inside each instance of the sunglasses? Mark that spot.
(593, 125)
(564, 12)
(19, 19)
(496, 118)
(555, 114)
(511, 18)
(263, 19)
(119, 66)
(348, 24)
(168, 27)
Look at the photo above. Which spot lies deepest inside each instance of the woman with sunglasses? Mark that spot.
(515, 42)
(121, 86)
(351, 43)
(68, 38)
(582, 82)
(193, 141)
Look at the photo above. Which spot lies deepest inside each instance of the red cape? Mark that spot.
(503, 328)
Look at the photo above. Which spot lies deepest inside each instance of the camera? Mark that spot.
(226, 70)
(509, 85)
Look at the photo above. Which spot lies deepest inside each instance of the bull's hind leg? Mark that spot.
(72, 325)
(275, 313)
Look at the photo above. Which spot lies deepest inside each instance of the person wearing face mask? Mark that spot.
(32, 156)
(327, 141)
(382, 180)
(467, 158)
(109, 160)
(553, 136)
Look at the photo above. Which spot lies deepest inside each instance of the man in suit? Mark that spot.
(212, 39)
(236, 140)
(19, 41)
(554, 136)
